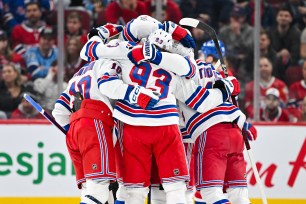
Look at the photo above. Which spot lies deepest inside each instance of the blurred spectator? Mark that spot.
(97, 9)
(266, 50)
(122, 11)
(25, 110)
(11, 88)
(199, 35)
(303, 44)
(238, 39)
(1, 16)
(266, 11)
(3, 115)
(170, 10)
(216, 12)
(95, 5)
(27, 33)
(73, 62)
(297, 92)
(74, 27)
(302, 117)
(48, 88)
(6, 54)
(298, 10)
(273, 112)
(285, 38)
(267, 80)
(14, 11)
(39, 58)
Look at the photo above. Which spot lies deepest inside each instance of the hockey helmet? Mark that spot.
(209, 49)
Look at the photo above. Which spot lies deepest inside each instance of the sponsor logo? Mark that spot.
(36, 165)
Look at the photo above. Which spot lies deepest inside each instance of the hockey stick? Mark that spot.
(211, 32)
(43, 112)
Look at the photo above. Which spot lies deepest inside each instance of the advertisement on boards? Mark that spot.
(34, 162)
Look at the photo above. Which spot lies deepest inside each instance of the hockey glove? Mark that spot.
(141, 96)
(225, 86)
(234, 81)
(145, 52)
(180, 34)
(105, 32)
(250, 131)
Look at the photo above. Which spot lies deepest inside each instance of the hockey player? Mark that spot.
(209, 53)
(218, 144)
(137, 122)
(87, 115)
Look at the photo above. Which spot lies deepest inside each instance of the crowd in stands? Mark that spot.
(28, 47)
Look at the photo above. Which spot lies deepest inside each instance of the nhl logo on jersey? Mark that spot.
(94, 166)
(176, 171)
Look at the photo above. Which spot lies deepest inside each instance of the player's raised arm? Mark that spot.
(95, 48)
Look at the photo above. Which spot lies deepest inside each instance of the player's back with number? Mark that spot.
(152, 77)
(86, 80)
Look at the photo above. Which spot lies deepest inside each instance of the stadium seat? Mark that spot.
(293, 74)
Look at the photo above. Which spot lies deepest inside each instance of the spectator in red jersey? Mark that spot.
(11, 88)
(25, 110)
(272, 111)
(14, 11)
(6, 54)
(73, 62)
(27, 33)
(74, 27)
(170, 10)
(122, 11)
(267, 80)
(297, 93)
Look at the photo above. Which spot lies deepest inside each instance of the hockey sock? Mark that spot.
(238, 195)
(214, 195)
(175, 192)
(136, 195)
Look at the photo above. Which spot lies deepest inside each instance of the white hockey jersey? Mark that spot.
(88, 81)
(196, 122)
(154, 77)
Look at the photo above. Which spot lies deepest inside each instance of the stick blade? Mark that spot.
(189, 22)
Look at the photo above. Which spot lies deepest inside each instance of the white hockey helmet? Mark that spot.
(161, 39)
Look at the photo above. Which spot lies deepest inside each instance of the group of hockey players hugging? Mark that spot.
(143, 112)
